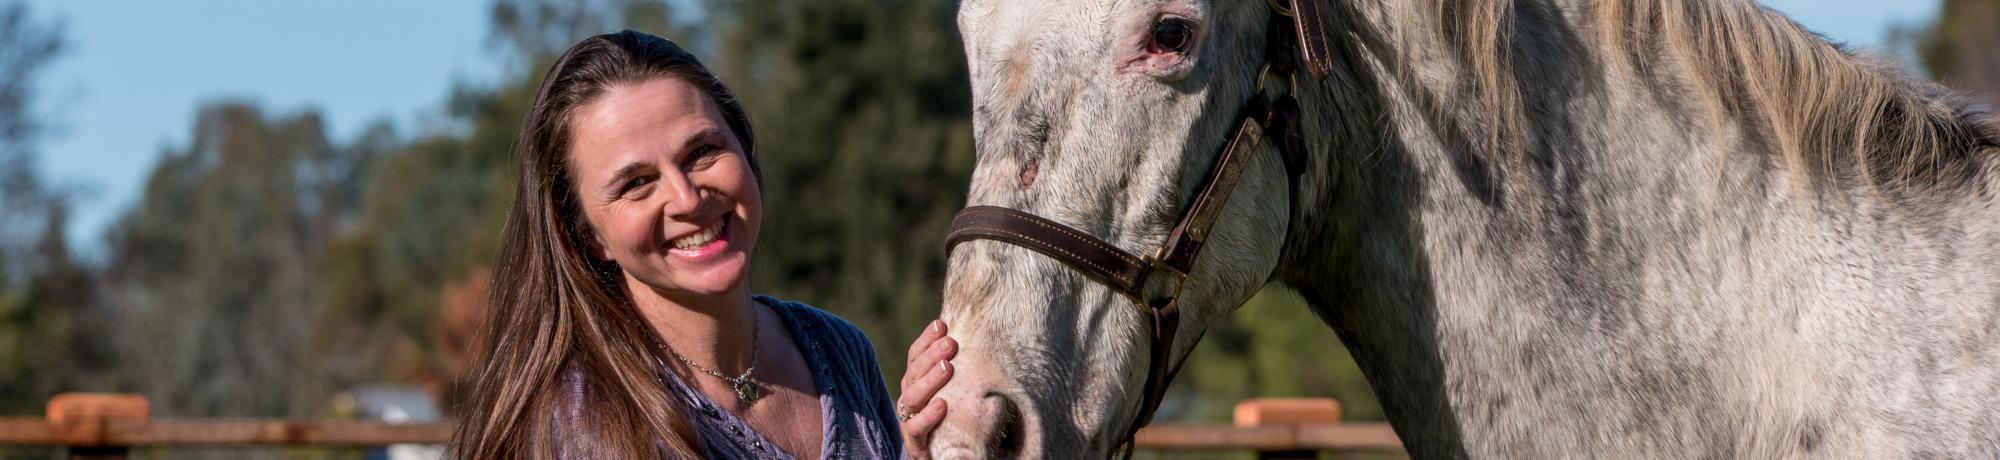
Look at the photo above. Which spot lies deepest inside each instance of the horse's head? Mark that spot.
(1105, 117)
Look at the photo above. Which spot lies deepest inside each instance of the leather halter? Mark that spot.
(1128, 273)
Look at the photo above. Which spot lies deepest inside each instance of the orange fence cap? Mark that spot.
(82, 406)
(1272, 411)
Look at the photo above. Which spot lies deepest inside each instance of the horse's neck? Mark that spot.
(1638, 280)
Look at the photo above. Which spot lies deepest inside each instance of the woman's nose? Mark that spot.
(683, 198)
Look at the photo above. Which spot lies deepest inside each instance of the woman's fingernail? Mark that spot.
(944, 366)
(937, 325)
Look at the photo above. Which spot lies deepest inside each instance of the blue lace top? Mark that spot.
(857, 413)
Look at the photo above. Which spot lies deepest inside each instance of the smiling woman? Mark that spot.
(622, 323)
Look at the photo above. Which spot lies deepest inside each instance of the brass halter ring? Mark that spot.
(1157, 264)
(1180, 281)
(1292, 79)
(1282, 11)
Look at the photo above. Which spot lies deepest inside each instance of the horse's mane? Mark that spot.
(1834, 116)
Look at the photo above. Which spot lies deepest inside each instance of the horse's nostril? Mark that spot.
(1009, 430)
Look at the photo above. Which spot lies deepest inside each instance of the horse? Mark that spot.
(1544, 228)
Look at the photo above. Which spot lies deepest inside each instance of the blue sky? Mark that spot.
(137, 70)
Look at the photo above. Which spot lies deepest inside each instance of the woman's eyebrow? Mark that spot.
(699, 137)
(618, 178)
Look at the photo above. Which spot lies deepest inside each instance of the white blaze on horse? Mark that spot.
(1545, 228)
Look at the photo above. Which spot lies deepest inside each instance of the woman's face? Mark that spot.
(667, 187)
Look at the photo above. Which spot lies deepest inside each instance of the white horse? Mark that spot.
(1545, 228)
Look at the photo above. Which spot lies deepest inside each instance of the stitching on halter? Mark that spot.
(1092, 240)
(1051, 247)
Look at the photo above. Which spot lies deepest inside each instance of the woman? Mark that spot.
(622, 324)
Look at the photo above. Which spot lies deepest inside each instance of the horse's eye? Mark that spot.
(1172, 35)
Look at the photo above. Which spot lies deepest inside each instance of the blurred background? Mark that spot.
(287, 209)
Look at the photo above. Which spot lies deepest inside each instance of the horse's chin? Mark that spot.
(951, 442)
(955, 452)
(961, 451)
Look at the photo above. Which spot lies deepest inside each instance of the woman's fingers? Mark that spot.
(941, 351)
(917, 430)
(923, 360)
(924, 387)
(929, 368)
(931, 333)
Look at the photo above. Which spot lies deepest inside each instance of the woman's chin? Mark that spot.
(723, 276)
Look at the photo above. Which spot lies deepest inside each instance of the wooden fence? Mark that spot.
(107, 425)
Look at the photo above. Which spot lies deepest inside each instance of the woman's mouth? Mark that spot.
(704, 243)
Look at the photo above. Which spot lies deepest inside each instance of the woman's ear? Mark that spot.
(598, 248)
(595, 243)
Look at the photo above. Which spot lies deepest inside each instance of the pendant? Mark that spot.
(746, 390)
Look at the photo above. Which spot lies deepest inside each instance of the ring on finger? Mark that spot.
(903, 413)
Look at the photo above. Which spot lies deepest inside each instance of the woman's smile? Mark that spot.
(703, 244)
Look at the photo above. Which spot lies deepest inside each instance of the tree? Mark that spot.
(1257, 353)
(1959, 47)
(27, 46)
(43, 291)
(863, 116)
(214, 272)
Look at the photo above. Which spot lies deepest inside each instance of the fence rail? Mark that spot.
(107, 424)
(216, 432)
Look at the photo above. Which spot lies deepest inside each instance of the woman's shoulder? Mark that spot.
(846, 367)
(819, 324)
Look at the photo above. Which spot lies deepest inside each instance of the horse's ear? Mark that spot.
(1315, 53)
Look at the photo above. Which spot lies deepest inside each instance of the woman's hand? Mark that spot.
(927, 369)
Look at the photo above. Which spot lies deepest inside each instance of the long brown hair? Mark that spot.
(554, 305)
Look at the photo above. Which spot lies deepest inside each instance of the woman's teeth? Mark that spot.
(699, 239)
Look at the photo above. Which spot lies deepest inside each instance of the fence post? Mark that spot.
(1286, 411)
(81, 417)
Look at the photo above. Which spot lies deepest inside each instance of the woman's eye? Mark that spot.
(701, 155)
(635, 183)
(1172, 35)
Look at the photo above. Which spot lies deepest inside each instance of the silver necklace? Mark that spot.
(746, 389)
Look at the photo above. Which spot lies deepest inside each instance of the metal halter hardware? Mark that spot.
(1126, 273)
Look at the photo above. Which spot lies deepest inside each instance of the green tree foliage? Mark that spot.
(1272, 347)
(431, 212)
(1958, 48)
(45, 308)
(214, 270)
(863, 114)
